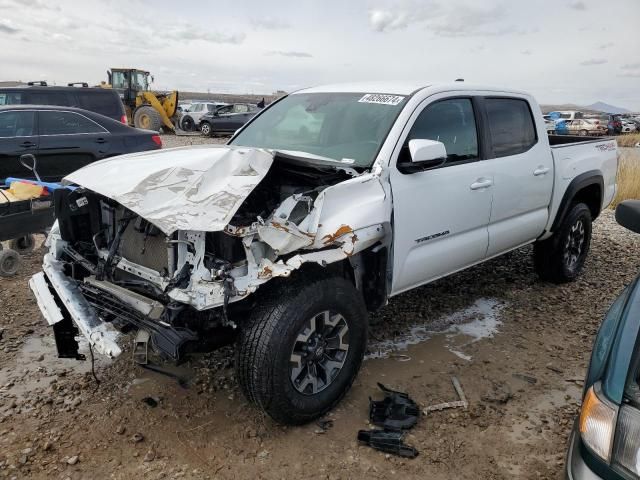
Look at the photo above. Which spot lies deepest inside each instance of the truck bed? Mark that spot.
(564, 140)
(575, 156)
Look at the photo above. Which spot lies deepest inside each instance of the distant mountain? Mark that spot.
(605, 107)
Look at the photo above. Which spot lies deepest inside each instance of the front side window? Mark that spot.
(451, 122)
(197, 107)
(17, 124)
(240, 108)
(66, 123)
(511, 126)
(119, 80)
(337, 126)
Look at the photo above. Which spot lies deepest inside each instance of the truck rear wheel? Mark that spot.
(148, 118)
(302, 347)
(561, 258)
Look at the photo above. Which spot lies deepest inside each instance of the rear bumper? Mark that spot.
(58, 297)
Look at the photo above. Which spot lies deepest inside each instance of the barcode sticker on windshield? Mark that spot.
(382, 99)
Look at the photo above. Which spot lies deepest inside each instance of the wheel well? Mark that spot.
(591, 196)
(367, 271)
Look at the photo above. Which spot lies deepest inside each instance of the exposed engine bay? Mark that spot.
(136, 267)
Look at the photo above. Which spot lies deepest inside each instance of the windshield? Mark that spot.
(346, 127)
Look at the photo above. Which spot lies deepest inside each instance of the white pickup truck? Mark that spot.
(327, 203)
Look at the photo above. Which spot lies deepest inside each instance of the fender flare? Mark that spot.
(586, 179)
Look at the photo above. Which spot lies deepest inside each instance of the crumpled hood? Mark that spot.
(188, 188)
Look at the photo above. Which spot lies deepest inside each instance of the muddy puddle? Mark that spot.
(37, 364)
(479, 320)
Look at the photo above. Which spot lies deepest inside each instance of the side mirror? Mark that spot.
(628, 215)
(424, 155)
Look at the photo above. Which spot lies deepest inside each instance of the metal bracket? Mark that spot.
(141, 348)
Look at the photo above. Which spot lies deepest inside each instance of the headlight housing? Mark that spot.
(626, 453)
(598, 423)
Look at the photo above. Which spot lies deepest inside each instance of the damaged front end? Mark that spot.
(172, 243)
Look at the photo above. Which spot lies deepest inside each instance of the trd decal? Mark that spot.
(431, 237)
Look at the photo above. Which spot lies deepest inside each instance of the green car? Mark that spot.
(605, 441)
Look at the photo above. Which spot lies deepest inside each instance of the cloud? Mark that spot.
(270, 23)
(386, 20)
(526, 52)
(402, 15)
(7, 27)
(187, 33)
(452, 21)
(629, 75)
(631, 66)
(290, 54)
(578, 5)
(593, 61)
(606, 45)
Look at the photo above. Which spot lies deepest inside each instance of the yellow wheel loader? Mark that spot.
(145, 108)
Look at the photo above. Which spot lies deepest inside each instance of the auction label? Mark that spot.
(381, 99)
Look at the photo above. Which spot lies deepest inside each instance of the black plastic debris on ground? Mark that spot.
(395, 413)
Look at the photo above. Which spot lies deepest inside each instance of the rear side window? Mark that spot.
(48, 98)
(105, 103)
(16, 124)
(511, 126)
(66, 123)
(10, 98)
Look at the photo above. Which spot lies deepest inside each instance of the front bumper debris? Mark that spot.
(101, 336)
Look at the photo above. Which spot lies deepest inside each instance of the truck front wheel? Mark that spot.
(302, 347)
(561, 257)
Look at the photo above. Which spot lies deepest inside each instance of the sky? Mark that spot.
(562, 51)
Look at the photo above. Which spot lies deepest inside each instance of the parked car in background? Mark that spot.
(585, 127)
(227, 119)
(191, 119)
(104, 101)
(605, 441)
(549, 125)
(64, 139)
(628, 126)
(569, 114)
(614, 125)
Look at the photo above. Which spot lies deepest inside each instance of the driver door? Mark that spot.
(441, 216)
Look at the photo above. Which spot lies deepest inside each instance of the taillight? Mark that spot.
(123, 119)
(157, 140)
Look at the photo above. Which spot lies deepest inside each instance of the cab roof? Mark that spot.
(403, 88)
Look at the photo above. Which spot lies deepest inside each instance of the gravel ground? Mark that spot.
(518, 346)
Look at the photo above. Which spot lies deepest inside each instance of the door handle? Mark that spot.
(541, 170)
(481, 183)
(101, 140)
(27, 144)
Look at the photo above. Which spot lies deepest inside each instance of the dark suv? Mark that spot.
(605, 441)
(99, 100)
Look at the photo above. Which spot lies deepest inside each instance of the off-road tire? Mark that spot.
(148, 118)
(187, 124)
(9, 262)
(266, 341)
(23, 244)
(550, 255)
